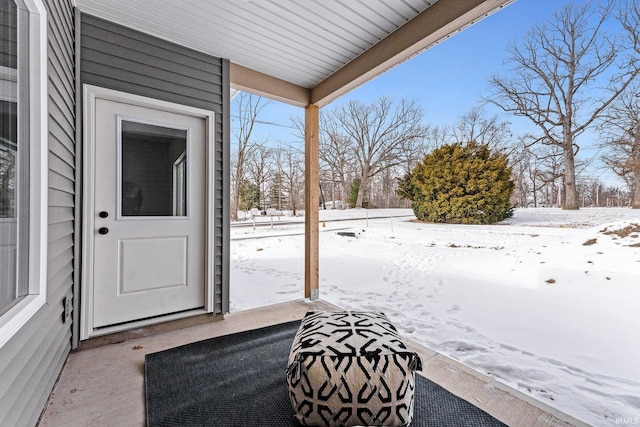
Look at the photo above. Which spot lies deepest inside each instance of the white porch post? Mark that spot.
(311, 202)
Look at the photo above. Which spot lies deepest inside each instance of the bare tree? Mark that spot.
(337, 152)
(522, 161)
(435, 137)
(474, 126)
(595, 189)
(555, 66)
(590, 188)
(247, 107)
(290, 164)
(621, 128)
(537, 169)
(379, 131)
(550, 174)
(414, 150)
(384, 188)
(260, 168)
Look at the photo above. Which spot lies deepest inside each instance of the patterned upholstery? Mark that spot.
(351, 368)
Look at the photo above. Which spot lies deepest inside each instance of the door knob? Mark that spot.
(103, 214)
(103, 230)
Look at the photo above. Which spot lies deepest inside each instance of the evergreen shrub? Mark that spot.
(460, 184)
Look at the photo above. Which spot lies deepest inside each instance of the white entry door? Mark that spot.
(148, 211)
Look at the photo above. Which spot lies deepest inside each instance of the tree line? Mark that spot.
(576, 72)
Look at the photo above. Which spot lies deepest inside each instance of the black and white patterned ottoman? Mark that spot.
(351, 368)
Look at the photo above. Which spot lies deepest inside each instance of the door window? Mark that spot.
(153, 180)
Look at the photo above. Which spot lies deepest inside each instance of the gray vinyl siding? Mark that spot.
(30, 362)
(119, 58)
(224, 156)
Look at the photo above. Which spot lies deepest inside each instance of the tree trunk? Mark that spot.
(235, 199)
(559, 197)
(343, 194)
(571, 199)
(636, 194)
(364, 182)
(635, 159)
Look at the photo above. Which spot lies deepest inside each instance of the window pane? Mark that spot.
(8, 155)
(154, 161)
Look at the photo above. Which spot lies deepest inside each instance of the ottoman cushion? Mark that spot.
(351, 368)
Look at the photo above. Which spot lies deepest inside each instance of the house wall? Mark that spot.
(31, 360)
(119, 58)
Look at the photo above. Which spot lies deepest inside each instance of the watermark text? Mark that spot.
(627, 421)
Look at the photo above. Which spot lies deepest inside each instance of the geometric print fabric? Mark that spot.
(351, 368)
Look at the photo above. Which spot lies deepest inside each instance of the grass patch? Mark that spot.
(627, 231)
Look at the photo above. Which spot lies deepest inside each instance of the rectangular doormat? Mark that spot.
(239, 380)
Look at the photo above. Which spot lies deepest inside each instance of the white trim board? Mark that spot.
(18, 315)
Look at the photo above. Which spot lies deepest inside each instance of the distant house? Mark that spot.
(114, 153)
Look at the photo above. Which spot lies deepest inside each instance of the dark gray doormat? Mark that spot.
(239, 380)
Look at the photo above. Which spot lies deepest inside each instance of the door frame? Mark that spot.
(90, 95)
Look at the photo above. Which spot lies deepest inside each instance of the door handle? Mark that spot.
(103, 214)
(103, 230)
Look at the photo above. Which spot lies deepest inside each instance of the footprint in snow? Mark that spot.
(454, 309)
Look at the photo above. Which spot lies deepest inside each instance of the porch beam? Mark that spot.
(248, 80)
(311, 202)
(436, 23)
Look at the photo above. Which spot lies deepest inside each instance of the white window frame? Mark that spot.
(179, 178)
(17, 316)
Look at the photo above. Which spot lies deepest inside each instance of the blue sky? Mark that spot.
(448, 79)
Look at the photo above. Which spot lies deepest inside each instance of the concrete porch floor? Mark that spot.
(104, 385)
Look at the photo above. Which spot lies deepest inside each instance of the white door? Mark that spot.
(149, 212)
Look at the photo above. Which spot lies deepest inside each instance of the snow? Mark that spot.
(533, 302)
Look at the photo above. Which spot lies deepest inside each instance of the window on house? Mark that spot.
(22, 162)
(12, 286)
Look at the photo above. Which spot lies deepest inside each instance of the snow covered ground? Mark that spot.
(547, 302)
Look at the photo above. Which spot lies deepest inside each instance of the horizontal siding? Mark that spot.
(61, 150)
(60, 117)
(119, 58)
(60, 247)
(63, 183)
(62, 214)
(194, 87)
(138, 83)
(59, 280)
(59, 230)
(31, 361)
(159, 48)
(60, 199)
(59, 165)
(33, 366)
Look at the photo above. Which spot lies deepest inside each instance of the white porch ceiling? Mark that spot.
(302, 43)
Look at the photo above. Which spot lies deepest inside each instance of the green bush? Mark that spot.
(460, 184)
